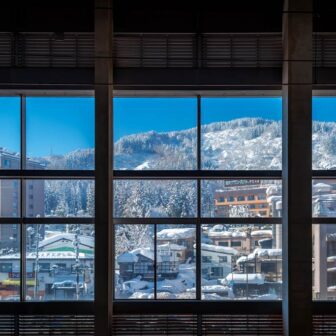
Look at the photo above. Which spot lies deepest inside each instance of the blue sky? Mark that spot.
(60, 125)
(10, 123)
(54, 125)
(134, 115)
(324, 108)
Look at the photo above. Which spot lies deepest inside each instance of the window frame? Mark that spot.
(22, 175)
(198, 175)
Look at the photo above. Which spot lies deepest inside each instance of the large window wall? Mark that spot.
(47, 198)
(324, 198)
(197, 198)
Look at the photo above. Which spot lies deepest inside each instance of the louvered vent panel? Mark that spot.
(48, 50)
(244, 51)
(212, 325)
(324, 325)
(216, 51)
(127, 51)
(241, 325)
(155, 51)
(7, 325)
(317, 51)
(37, 50)
(181, 50)
(328, 52)
(269, 51)
(64, 51)
(150, 325)
(5, 49)
(62, 325)
(85, 50)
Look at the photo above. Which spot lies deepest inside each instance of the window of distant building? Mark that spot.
(222, 259)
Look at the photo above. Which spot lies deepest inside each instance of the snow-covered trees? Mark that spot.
(69, 198)
(128, 237)
(149, 198)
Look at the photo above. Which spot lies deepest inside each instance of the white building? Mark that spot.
(217, 261)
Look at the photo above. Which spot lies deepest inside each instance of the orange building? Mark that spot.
(249, 198)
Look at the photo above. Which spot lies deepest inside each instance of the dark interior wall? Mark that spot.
(145, 16)
(158, 16)
(47, 16)
(205, 16)
(324, 16)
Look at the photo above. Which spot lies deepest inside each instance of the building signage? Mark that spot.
(16, 275)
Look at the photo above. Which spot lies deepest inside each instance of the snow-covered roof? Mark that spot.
(178, 233)
(227, 234)
(258, 233)
(211, 289)
(251, 278)
(332, 289)
(84, 240)
(259, 252)
(171, 246)
(327, 197)
(274, 189)
(274, 198)
(331, 236)
(127, 257)
(219, 249)
(133, 256)
(49, 255)
(322, 187)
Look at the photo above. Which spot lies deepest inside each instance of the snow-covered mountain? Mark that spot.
(239, 144)
(247, 143)
(80, 159)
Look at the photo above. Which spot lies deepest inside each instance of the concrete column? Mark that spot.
(297, 162)
(103, 159)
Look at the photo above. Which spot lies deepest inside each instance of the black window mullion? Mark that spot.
(198, 271)
(23, 142)
(199, 142)
(155, 261)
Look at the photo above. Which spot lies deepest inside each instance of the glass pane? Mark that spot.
(241, 262)
(134, 261)
(10, 132)
(241, 133)
(66, 126)
(155, 133)
(10, 262)
(324, 262)
(59, 198)
(155, 198)
(9, 198)
(324, 133)
(241, 198)
(59, 262)
(324, 198)
(176, 261)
